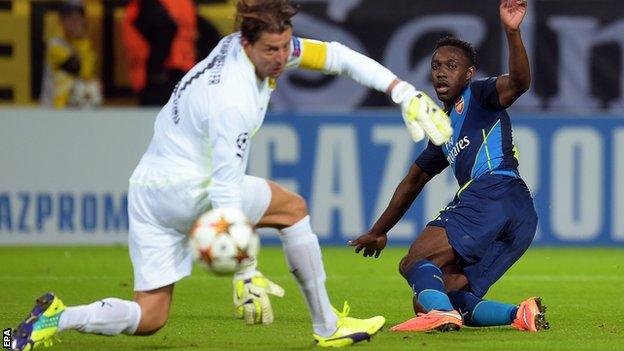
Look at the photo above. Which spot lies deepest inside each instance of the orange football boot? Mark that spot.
(530, 316)
(434, 320)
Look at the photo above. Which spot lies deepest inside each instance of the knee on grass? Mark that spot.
(150, 324)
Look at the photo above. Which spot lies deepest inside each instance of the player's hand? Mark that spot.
(512, 13)
(402, 93)
(415, 131)
(371, 243)
(421, 114)
(251, 299)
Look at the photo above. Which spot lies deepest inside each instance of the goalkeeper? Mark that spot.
(196, 161)
(491, 221)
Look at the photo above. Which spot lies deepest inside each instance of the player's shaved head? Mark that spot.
(466, 48)
(254, 17)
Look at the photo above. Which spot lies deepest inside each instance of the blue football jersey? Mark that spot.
(481, 141)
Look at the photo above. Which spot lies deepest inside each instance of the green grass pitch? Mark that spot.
(583, 289)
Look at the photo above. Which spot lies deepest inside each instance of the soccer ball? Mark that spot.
(224, 241)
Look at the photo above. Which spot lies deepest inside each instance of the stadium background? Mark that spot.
(64, 173)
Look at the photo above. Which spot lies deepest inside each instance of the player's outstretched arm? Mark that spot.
(420, 113)
(406, 192)
(511, 86)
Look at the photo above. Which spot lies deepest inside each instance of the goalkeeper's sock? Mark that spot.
(110, 316)
(482, 313)
(426, 280)
(303, 254)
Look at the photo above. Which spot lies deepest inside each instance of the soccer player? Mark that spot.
(491, 221)
(196, 161)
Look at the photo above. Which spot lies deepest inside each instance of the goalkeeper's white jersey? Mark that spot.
(203, 133)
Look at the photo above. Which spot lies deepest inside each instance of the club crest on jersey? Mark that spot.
(296, 49)
(459, 105)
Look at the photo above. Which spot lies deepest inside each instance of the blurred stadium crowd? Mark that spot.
(160, 41)
(155, 43)
(132, 52)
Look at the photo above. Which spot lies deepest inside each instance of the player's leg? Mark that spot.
(160, 257)
(288, 212)
(499, 257)
(155, 305)
(109, 316)
(285, 208)
(501, 254)
(454, 278)
(478, 312)
(475, 311)
(422, 269)
(147, 314)
(159, 219)
(112, 316)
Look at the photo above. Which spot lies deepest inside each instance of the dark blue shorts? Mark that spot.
(490, 224)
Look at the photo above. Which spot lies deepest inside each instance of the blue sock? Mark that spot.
(481, 313)
(426, 280)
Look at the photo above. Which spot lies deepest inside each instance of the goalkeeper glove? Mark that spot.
(421, 114)
(251, 299)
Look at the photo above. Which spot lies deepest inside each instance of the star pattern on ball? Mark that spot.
(241, 255)
(206, 255)
(221, 226)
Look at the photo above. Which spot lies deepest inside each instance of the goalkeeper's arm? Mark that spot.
(420, 113)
